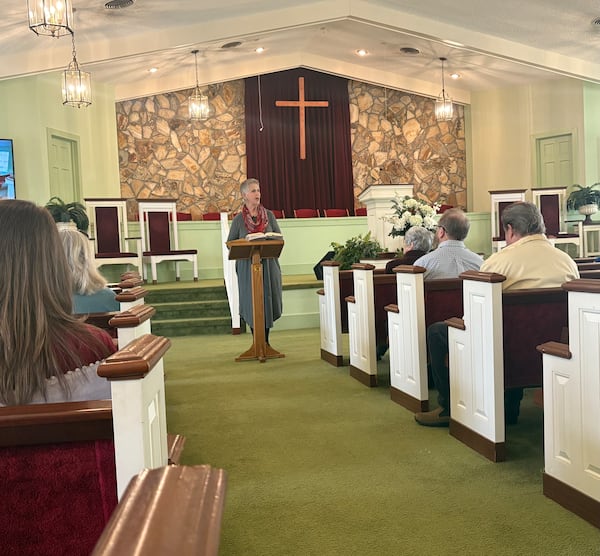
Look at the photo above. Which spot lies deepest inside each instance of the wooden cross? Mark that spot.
(302, 104)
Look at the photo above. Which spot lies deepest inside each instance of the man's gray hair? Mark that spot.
(524, 218)
(456, 224)
(419, 238)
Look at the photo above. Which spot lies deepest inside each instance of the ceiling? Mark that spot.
(490, 44)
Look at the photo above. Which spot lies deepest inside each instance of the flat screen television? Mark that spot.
(7, 169)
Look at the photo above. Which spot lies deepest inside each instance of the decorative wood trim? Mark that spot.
(410, 403)
(177, 509)
(175, 444)
(236, 331)
(557, 349)
(330, 263)
(321, 292)
(133, 316)
(409, 269)
(493, 451)
(572, 499)
(136, 359)
(335, 360)
(392, 308)
(582, 285)
(362, 266)
(350, 299)
(362, 377)
(478, 276)
(500, 191)
(132, 292)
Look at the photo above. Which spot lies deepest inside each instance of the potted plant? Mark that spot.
(355, 249)
(69, 212)
(585, 199)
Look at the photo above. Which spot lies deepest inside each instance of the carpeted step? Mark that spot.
(191, 309)
(178, 295)
(191, 326)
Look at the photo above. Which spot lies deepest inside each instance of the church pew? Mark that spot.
(419, 304)
(170, 510)
(571, 380)
(66, 464)
(493, 348)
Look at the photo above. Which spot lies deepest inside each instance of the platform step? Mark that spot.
(192, 326)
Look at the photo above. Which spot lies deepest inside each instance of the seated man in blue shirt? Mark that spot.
(451, 256)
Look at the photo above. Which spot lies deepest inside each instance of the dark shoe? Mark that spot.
(439, 417)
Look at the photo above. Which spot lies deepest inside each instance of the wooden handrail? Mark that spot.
(133, 316)
(132, 294)
(169, 510)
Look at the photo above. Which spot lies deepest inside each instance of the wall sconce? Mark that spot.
(76, 84)
(443, 104)
(50, 17)
(198, 103)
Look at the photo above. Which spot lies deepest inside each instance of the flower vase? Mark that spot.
(588, 210)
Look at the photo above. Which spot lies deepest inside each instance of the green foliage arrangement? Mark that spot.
(582, 195)
(69, 212)
(355, 249)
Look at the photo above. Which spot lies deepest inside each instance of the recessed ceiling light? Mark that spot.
(410, 51)
(152, 70)
(455, 75)
(232, 44)
(361, 52)
(259, 50)
(117, 4)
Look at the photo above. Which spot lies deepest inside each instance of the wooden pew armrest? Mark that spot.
(557, 349)
(456, 322)
(169, 510)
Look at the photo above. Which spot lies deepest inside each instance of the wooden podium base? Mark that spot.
(262, 355)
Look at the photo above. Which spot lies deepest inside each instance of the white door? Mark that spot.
(555, 161)
(63, 161)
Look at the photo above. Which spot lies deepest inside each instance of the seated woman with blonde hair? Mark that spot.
(46, 353)
(90, 294)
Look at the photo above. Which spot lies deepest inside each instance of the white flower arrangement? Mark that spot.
(409, 212)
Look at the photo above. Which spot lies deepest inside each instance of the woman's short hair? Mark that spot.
(80, 258)
(524, 218)
(419, 238)
(246, 184)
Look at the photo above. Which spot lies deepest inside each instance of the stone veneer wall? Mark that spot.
(395, 139)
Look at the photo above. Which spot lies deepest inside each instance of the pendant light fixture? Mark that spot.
(50, 17)
(76, 84)
(443, 104)
(198, 103)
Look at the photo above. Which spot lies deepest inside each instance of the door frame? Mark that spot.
(76, 160)
(535, 154)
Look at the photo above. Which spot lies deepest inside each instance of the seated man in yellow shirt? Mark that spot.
(529, 260)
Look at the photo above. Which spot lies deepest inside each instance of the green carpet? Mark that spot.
(319, 464)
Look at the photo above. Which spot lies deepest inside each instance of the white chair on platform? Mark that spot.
(108, 219)
(500, 200)
(160, 238)
(552, 203)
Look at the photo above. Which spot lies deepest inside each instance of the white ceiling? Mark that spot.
(503, 43)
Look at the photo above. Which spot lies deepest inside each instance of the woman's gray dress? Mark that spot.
(271, 275)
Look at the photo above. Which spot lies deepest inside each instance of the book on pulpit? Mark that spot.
(264, 235)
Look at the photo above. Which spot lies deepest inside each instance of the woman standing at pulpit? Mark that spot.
(255, 218)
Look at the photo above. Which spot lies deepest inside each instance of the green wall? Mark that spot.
(31, 106)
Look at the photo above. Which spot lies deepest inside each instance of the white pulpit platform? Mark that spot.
(378, 200)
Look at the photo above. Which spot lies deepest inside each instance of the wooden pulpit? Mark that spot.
(256, 251)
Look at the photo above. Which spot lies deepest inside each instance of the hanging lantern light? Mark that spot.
(76, 84)
(198, 103)
(443, 104)
(50, 17)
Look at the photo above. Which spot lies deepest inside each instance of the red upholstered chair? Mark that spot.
(335, 212)
(306, 213)
(500, 200)
(184, 216)
(278, 213)
(160, 238)
(211, 216)
(552, 202)
(444, 208)
(108, 221)
(360, 211)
